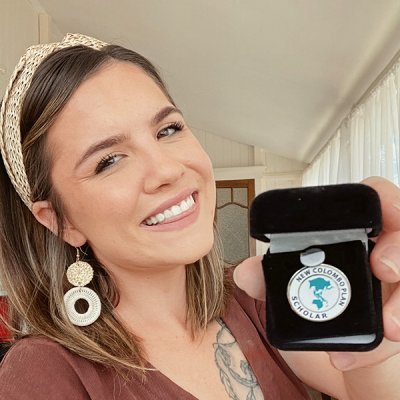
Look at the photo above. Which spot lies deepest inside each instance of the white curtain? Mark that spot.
(366, 143)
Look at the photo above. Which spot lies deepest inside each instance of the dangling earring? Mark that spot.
(79, 274)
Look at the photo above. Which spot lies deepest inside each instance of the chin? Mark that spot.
(193, 253)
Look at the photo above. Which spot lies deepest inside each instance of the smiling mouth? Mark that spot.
(171, 212)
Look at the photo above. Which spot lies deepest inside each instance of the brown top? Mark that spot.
(37, 368)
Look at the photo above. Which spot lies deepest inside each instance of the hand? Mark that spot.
(385, 264)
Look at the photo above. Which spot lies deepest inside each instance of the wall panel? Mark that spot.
(18, 30)
(225, 153)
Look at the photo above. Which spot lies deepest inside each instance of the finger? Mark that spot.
(391, 316)
(385, 257)
(389, 195)
(349, 361)
(249, 277)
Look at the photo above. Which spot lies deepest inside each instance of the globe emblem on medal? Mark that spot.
(320, 288)
(319, 293)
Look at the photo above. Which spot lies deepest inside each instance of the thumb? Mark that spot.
(249, 277)
(350, 361)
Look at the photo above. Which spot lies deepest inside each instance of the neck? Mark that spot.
(152, 298)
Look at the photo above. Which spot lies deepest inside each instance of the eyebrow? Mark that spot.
(163, 113)
(118, 139)
(101, 145)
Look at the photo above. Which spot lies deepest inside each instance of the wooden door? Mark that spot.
(232, 217)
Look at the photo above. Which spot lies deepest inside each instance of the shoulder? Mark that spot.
(36, 367)
(37, 350)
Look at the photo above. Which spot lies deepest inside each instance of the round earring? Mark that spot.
(79, 274)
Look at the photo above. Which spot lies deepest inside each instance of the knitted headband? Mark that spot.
(10, 135)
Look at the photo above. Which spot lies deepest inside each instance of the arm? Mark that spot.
(353, 376)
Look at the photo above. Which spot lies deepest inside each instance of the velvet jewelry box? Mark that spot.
(321, 294)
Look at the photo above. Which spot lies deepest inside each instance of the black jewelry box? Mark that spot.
(321, 294)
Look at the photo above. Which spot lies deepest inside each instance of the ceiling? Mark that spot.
(278, 74)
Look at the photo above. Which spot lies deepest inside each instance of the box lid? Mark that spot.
(316, 208)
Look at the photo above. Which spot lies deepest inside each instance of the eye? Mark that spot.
(107, 161)
(170, 130)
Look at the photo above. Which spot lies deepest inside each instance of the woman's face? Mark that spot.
(127, 169)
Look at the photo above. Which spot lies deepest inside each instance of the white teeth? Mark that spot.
(184, 206)
(190, 201)
(168, 214)
(176, 210)
(160, 217)
(173, 211)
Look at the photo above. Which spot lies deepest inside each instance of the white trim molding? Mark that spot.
(224, 174)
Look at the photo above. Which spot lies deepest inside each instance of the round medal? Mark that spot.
(319, 293)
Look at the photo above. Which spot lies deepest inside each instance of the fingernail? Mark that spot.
(391, 259)
(234, 276)
(342, 361)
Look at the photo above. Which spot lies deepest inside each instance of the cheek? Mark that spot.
(200, 161)
(202, 164)
(91, 206)
(208, 172)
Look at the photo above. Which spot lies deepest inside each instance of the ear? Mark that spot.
(44, 213)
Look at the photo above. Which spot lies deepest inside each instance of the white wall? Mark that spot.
(225, 153)
(233, 160)
(18, 30)
(23, 23)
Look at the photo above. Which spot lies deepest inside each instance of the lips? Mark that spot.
(170, 212)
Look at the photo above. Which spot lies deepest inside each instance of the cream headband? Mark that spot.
(10, 135)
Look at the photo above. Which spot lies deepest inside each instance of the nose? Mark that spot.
(162, 169)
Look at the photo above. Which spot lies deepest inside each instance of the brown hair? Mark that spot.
(33, 260)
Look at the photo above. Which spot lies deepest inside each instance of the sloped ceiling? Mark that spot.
(279, 74)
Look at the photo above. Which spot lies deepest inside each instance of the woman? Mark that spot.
(108, 197)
